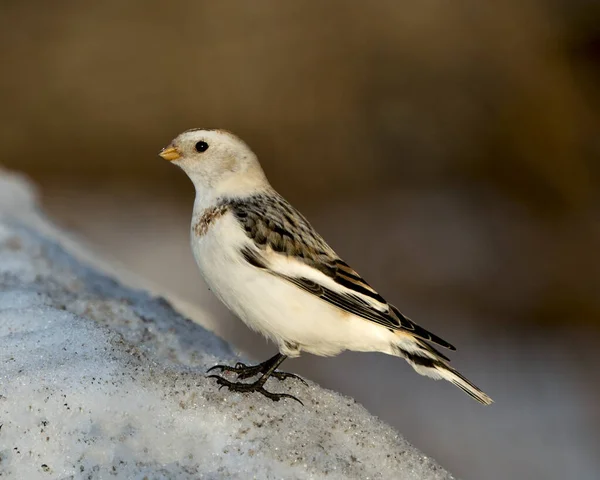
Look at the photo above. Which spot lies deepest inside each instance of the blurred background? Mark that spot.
(447, 150)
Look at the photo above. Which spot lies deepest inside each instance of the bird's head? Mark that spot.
(217, 162)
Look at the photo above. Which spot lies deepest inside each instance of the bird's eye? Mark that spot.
(201, 147)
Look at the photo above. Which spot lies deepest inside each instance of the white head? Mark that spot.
(217, 162)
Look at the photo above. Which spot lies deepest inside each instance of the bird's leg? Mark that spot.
(266, 368)
(244, 371)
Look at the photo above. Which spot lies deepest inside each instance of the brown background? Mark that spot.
(448, 150)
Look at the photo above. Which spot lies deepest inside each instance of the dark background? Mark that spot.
(448, 150)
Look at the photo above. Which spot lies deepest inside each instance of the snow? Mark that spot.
(99, 379)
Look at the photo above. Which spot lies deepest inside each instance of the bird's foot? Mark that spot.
(251, 387)
(244, 371)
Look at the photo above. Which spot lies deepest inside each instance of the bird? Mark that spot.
(269, 266)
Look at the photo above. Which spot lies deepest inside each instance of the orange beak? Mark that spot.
(170, 153)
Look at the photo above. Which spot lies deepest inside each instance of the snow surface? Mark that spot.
(101, 380)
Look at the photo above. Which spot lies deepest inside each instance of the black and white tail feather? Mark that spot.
(433, 364)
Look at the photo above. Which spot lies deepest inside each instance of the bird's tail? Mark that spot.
(427, 361)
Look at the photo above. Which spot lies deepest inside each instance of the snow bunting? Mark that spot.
(268, 265)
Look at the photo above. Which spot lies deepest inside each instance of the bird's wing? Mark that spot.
(285, 244)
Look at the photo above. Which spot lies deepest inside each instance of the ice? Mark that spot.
(101, 380)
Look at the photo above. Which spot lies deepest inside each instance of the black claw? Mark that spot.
(222, 367)
(244, 371)
(268, 369)
(278, 396)
(283, 375)
(252, 387)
